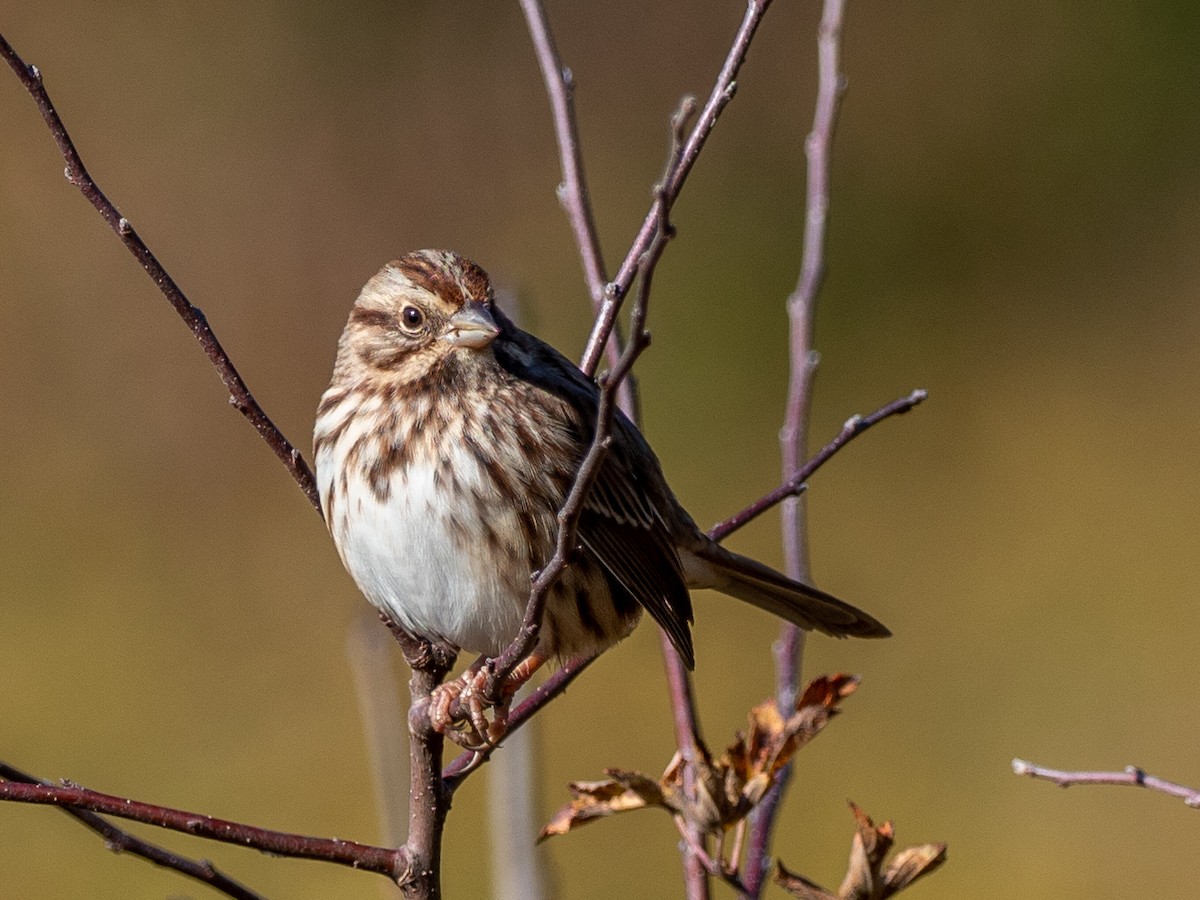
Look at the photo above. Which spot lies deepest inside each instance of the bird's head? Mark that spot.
(425, 312)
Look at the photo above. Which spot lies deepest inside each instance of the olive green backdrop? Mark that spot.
(1015, 216)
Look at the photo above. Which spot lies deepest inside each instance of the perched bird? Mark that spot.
(447, 442)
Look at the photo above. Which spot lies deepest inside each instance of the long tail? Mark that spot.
(751, 581)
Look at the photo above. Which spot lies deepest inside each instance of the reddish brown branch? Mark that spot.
(428, 798)
(239, 395)
(120, 841)
(1132, 776)
(392, 863)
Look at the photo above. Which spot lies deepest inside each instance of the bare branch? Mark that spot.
(120, 841)
(793, 437)
(239, 395)
(572, 192)
(795, 485)
(392, 863)
(1131, 776)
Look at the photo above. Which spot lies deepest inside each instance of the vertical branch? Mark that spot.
(685, 716)
(428, 796)
(573, 191)
(793, 437)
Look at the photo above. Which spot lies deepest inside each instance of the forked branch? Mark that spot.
(120, 841)
(383, 860)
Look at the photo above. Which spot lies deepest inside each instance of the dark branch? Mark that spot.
(120, 841)
(239, 395)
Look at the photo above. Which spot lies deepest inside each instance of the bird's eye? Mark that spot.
(412, 318)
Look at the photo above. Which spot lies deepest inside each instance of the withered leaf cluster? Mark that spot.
(726, 789)
(866, 876)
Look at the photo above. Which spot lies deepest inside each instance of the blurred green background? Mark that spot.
(1015, 218)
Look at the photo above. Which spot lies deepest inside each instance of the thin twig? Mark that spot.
(718, 99)
(793, 437)
(685, 715)
(795, 485)
(77, 174)
(568, 515)
(383, 860)
(1132, 776)
(120, 841)
(572, 191)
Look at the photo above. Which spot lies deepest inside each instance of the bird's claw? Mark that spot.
(469, 726)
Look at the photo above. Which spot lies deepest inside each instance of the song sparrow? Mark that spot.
(446, 444)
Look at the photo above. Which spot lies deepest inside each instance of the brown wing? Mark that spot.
(625, 534)
(623, 525)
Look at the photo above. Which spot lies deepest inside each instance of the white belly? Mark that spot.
(409, 560)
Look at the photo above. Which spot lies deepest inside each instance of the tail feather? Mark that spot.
(804, 605)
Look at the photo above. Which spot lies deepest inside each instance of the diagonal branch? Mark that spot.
(572, 192)
(796, 485)
(239, 395)
(385, 861)
(120, 841)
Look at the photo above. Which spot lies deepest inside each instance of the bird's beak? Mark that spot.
(472, 326)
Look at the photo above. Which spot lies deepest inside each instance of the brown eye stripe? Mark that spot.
(370, 317)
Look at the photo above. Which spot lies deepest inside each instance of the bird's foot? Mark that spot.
(459, 709)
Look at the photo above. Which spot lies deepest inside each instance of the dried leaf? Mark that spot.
(727, 789)
(863, 880)
(866, 878)
(911, 864)
(622, 792)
